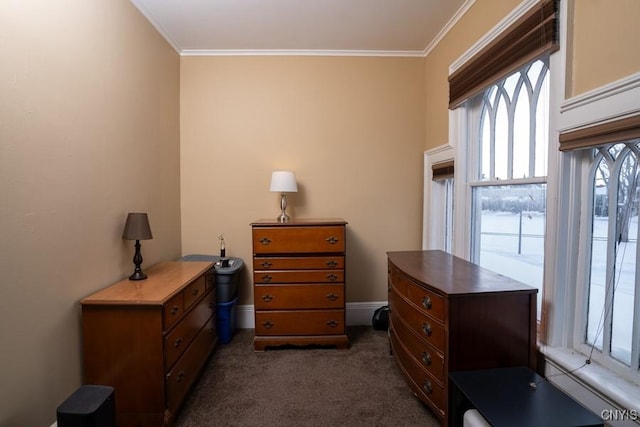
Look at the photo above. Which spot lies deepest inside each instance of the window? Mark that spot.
(610, 319)
(510, 142)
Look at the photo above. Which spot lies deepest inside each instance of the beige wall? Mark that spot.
(89, 130)
(604, 43)
(352, 129)
(478, 20)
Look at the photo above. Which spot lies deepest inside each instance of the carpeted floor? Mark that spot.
(361, 386)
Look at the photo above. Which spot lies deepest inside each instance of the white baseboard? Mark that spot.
(358, 313)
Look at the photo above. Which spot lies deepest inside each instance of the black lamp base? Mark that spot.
(138, 275)
(137, 261)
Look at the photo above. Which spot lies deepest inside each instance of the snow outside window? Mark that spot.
(508, 186)
(611, 314)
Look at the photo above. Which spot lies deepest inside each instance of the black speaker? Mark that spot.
(88, 406)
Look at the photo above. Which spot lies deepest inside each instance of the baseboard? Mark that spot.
(358, 313)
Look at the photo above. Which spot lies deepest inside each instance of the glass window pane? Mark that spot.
(501, 141)
(485, 144)
(448, 239)
(521, 135)
(511, 237)
(624, 286)
(542, 127)
(598, 276)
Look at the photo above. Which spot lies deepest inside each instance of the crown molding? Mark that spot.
(149, 16)
(299, 52)
(500, 27)
(445, 30)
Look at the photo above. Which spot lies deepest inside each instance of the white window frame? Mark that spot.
(434, 200)
(597, 388)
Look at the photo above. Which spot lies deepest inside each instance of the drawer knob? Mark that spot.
(332, 277)
(426, 302)
(426, 358)
(267, 278)
(267, 298)
(265, 241)
(331, 263)
(426, 386)
(266, 264)
(174, 310)
(268, 324)
(332, 297)
(180, 377)
(195, 292)
(426, 328)
(177, 342)
(332, 324)
(332, 240)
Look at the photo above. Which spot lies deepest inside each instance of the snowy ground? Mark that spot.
(499, 252)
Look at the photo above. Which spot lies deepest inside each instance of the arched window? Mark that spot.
(509, 181)
(611, 297)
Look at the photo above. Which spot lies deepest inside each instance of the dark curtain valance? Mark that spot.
(442, 170)
(536, 33)
(601, 134)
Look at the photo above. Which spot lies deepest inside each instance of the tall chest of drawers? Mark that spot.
(150, 339)
(451, 315)
(299, 283)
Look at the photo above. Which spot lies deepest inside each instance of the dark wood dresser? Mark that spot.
(448, 315)
(150, 339)
(299, 283)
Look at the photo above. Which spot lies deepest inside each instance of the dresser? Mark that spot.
(447, 314)
(299, 283)
(150, 339)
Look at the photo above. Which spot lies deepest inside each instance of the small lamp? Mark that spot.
(283, 182)
(137, 228)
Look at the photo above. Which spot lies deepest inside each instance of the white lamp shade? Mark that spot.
(283, 182)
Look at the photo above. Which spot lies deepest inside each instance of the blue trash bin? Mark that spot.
(226, 292)
(226, 277)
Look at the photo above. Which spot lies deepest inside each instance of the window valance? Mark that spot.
(604, 133)
(534, 34)
(442, 170)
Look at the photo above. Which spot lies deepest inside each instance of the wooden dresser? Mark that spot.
(451, 315)
(150, 339)
(299, 283)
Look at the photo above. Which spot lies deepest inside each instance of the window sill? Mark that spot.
(597, 388)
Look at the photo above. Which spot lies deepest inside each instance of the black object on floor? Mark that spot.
(88, 406)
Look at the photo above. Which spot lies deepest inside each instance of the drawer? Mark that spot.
(210, 281)
(299, 276)
(298, 263)
(194, 290)
(300, 322)
(186, 369)
(430, 302)
(424, 326)
(423, 384)
(270, 297)
(432, 360)
(176, 341)
(298, 239)
(172, 310)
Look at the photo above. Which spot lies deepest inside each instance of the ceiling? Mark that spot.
(339, 26)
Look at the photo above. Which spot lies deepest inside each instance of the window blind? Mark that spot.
(604, 133)
(442, 170)
(534, 34)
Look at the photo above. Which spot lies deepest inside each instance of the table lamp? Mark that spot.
(137, 228)
(283, 182)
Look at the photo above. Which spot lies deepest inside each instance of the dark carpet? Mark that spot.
(361, 386)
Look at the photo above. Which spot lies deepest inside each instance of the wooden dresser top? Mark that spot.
(451, 275)
(299, 222)
(163, 281)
